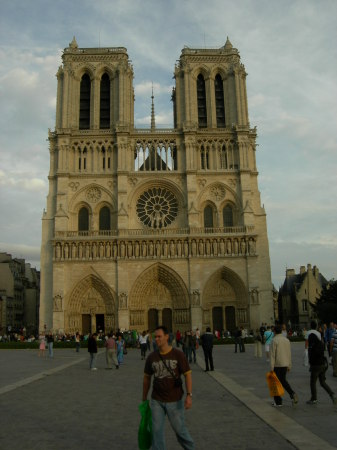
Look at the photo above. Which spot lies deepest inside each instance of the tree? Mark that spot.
(326, 305)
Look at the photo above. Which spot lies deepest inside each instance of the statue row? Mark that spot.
(178, 248)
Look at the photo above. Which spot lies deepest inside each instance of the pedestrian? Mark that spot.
(268, 339)
(237, 340)
(333, 352)
(50, 341)
(92, 349)
(110, 352)
(143, 338)
(166, 366)
(193, 346)
(187, 346)
(258, 344)
(318, 364)
(328, 336)
(280, 363)
(243, 339)
(178, 338)
(207, 346)
(120, 349)
(42, 346)
(77, 342)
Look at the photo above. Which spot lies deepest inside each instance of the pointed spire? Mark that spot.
(153, 120)
(73, 43)
(228, 44)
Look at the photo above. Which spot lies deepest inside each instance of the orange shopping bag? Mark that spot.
(274, 384)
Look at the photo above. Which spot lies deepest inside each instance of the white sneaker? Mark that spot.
(94, 368)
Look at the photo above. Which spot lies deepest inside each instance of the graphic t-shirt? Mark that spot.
(163, 388)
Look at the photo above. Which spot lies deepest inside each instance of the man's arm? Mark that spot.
(146, 385)
(188, 384)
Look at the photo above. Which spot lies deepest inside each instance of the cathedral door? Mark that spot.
(100, 322)
(86, 324)
(167, 318)
(230, 318)
(152, 316)
(217, 318)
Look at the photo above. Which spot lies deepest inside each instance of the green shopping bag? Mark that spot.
(145, 426)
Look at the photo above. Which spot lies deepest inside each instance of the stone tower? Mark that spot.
(153, 226)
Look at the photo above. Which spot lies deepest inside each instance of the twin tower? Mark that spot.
(153, 226)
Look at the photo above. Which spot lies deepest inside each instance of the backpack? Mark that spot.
(315, 351)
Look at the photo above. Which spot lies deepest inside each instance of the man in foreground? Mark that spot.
(280, 363)
(167, 365)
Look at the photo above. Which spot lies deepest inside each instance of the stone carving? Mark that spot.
(195, 298)
(57, 303)
(174, 248)
(123, 300)
(74, 185)
(218, 192)
(254, 297)
(93, 194)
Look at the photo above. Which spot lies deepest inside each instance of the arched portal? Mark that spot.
(225, 301)
(91, 307)
(159, 288)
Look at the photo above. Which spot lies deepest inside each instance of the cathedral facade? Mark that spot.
(153, 226)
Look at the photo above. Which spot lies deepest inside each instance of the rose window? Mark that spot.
(157, 207)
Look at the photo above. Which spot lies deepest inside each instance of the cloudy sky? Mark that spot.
(290, 53)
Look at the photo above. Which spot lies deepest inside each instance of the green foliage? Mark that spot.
(326, 305)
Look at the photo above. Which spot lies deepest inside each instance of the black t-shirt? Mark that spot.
(163, 388)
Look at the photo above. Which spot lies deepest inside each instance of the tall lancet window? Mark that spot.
(201, 97)
(104, 120)
(83, 219)
(85, 102)
(219, 102)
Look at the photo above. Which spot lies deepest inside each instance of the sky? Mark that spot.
(289, 49)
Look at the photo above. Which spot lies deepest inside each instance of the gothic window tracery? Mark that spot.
(201, 100)
(157, 207)
(219, 102)
(227, 214)
(104, 120)
(83, 219)
(208, 216)
(104, 219)
(85, 90)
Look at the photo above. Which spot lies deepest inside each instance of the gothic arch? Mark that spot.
(170, 279)
(90, 296)
(225, 286)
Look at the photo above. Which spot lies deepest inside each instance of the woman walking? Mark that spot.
(143, 344)
(120, 349)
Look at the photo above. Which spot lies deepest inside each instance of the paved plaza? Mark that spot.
(54, 404)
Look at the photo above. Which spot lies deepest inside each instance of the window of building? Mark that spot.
(304, 305)
(227, 214)
(103, 158)
(204, 158)
(201, 99)
(104, 121)
(104, 218)
(208, 217)
(85, 90)
(219, 102)
(83, 219)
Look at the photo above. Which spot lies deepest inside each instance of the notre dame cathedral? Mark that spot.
(153, 226)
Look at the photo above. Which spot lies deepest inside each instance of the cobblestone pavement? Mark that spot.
(54, 404)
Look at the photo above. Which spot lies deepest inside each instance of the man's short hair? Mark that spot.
(278, 329)
(163, 328)
(313, 324)
(208, 329)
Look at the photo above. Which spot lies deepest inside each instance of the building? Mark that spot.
(19, 295)
(297, 295)
(153, 226)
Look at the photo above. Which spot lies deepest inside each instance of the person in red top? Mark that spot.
(166, 366)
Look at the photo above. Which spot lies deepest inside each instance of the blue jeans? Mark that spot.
(50, 349)
(175, 414)
(92, 360)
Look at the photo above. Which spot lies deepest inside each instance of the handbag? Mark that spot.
(274, 384)
(145, 426)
